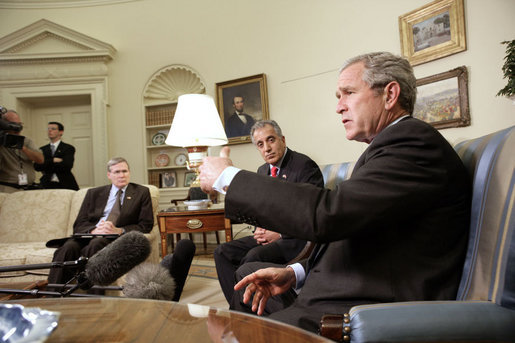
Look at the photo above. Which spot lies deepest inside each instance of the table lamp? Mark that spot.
(196, 126)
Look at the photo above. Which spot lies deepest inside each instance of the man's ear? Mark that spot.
(391, 93)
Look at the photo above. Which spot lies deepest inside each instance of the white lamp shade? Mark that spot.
(196, 123)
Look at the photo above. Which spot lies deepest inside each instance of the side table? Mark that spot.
(192, 222)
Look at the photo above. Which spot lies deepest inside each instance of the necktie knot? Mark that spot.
(273, 172)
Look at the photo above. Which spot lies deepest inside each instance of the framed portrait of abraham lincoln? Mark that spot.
(242, 102)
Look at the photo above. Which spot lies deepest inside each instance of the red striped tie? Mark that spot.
(274, 171)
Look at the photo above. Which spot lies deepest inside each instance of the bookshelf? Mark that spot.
(165, 165)
(163, 160)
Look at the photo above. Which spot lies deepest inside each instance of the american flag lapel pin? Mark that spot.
(284, 176)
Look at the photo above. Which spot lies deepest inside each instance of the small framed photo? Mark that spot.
(189, 177)
(433, 31)
(168, 179)
(442, 99)
(241, 103)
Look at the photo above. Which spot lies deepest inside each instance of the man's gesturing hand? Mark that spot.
(264, 284)
(212, 167)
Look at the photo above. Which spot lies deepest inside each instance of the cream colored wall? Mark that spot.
(298, 44)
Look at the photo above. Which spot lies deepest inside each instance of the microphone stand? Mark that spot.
(80, 263)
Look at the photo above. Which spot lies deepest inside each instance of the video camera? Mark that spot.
(6, 139)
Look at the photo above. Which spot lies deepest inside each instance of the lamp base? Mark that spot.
(195, 193)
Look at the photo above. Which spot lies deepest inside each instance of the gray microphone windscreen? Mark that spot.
(149, 281)
(117, 258)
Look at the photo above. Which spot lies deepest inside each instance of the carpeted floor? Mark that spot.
(202, 285)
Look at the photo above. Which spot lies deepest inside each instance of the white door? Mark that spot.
(76, 119)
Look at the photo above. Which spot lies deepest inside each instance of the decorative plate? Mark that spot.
(159, 138)
(162, 160)
(180, 159)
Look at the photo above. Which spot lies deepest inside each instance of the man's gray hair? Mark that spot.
(381, 68)
(115, 160)
(261, 124)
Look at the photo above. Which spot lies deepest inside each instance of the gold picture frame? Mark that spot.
(189, 177)
(442, 99)
(433, 31)
(250, 94)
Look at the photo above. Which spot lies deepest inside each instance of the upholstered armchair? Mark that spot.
(484, 310)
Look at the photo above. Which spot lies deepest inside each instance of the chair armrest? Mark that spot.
(304, 253)
(430, 321)
(154, 238)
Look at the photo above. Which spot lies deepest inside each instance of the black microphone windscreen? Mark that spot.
(117, 258)
(178, 264)
(149, 281)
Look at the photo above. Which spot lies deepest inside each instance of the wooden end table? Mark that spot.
(192, 222)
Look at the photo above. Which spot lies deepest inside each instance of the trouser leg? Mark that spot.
(69, 251)
(228, 257)
(178, 264)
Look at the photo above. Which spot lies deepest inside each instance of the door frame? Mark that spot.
(16, 95)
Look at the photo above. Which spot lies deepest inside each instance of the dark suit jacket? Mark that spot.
(136, 213)
(63, 169)
(234, 127)
(296, 167)
(396, 230)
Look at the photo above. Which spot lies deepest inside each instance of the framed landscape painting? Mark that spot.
(442, 99)
(433, 31)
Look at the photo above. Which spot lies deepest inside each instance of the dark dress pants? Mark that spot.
(288, 307)
(229, 256)
(71, 250)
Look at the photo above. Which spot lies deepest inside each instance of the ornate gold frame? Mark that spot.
(455, 44)
(462, 82)
(254, 90)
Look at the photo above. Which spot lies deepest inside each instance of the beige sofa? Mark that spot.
(29, 219)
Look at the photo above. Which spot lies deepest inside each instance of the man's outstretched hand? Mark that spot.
(212, 167)
(264, 284)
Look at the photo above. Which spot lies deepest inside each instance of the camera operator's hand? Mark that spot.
(35, 156)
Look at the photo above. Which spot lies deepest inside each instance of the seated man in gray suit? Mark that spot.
(266, 245)
(108, 211)
(395, 231)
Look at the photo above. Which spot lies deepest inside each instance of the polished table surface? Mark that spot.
(105, 319)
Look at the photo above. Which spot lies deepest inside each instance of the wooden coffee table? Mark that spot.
(136, 320)
(192, 222)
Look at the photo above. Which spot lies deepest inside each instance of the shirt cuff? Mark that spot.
(223, 181)
(300, 275)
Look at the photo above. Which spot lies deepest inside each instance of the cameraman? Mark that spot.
(16, 165)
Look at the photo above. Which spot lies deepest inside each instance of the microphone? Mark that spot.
(149, 281)
(115, 260)
(164, 281)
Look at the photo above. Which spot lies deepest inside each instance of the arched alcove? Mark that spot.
(160, 97)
